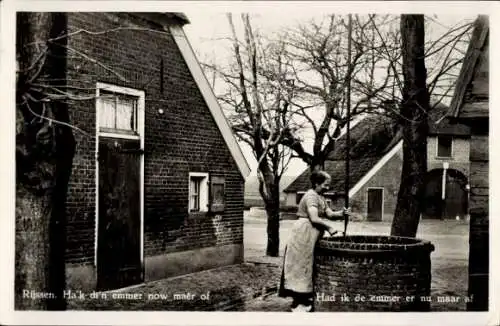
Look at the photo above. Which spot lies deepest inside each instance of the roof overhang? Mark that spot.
(164, 18)
(472, 56)
(181, 17)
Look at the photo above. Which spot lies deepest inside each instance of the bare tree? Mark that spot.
(318, 58)
(45, 147)
(44, 153)
(443, 55)
(429, 69)
(382, 82)
(317, 54)
(258, 104)
(414, 108)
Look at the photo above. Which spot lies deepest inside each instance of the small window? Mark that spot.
(444, 146)
(198, 192)
(118, 113)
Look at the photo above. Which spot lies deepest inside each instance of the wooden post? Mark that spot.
(348, 126)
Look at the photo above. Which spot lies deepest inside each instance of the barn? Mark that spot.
(376, 158)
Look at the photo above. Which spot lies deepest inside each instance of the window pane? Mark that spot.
(125, 111)
(118, 112)
(194, 198)
(194, 204)
(197, 186)
(106, 112)
(444, 146)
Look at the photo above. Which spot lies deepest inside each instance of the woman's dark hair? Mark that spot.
(318, 177)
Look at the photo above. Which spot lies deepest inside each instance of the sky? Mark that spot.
(207, 30)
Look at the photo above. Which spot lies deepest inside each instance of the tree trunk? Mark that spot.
(272, 205)
(44, 155)
(415, 127)
(269, 189)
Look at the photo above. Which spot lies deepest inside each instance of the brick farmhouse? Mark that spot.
(157, 184)
(376, 156)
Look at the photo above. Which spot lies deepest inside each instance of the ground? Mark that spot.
(252, 286)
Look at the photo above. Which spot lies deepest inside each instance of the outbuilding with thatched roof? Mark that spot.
(376, 158)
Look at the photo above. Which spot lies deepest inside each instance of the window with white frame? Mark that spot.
(118, 109)
(444, 146)
(198, 192)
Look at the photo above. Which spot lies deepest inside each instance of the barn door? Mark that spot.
(375, 204)
(118, 238)
(456, 199)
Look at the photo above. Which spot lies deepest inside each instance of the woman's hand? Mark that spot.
(346, 211)
(352, 216)
(331, 230)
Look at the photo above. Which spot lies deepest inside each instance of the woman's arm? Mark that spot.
(315, 219)
(339, 215)
(334, 215)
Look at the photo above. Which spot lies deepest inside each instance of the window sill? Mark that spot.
(197, 215)
(443, 158)
(118, 135)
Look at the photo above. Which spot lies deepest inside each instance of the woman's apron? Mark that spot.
(297, 273)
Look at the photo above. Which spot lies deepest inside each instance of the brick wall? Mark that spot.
(388, 177)
(183, 139)
(460, 155)
(291, 199)
(372, 267)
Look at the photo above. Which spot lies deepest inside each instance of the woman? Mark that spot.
(313, 215)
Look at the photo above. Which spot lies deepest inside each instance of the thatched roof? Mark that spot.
(371, 139)
(441, 124)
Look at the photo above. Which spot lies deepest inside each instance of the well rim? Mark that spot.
(361, 244)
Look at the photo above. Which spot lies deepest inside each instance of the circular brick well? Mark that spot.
(372, 273)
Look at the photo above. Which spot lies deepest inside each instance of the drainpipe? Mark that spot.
(443, 188)
(467, 214)
(446, 165)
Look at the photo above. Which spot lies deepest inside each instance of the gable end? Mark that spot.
(210, 98)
